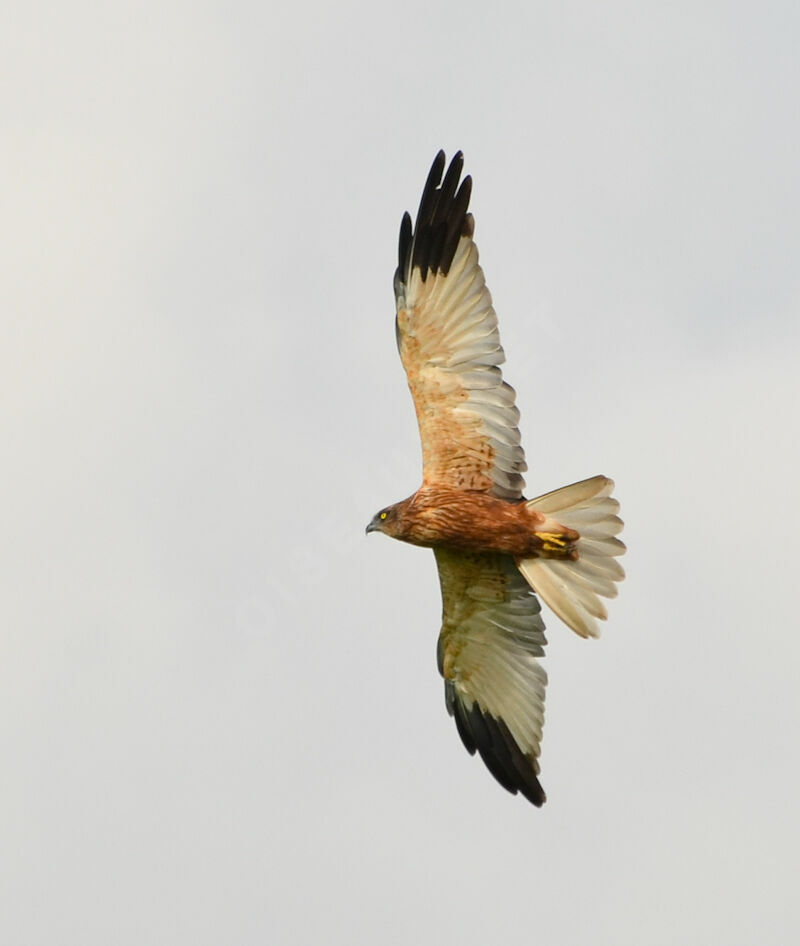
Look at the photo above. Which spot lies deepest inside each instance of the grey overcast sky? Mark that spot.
(220, 715)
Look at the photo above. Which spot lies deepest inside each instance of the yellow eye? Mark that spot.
(383, 515)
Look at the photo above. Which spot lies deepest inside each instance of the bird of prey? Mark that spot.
(495, 549)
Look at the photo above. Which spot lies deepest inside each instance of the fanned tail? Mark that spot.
(572, 589)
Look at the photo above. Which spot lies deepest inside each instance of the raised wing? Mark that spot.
(450, 347)
(492, 633)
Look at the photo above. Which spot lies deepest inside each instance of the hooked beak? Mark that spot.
(374, 526)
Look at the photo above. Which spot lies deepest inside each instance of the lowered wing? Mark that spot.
(492, 633)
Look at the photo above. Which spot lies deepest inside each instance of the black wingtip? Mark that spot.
(515, 771)
(406, 231)
(437, 167)
(442, 219)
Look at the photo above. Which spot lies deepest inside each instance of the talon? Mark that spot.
(559, 544)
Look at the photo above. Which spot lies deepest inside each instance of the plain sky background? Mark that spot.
(220, 715)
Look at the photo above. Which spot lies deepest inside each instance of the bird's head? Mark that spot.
(384, 521)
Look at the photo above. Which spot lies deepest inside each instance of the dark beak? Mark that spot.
(374, 526)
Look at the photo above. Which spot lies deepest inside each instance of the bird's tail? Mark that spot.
(571, 586)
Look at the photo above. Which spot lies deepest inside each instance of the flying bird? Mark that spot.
(495, 549)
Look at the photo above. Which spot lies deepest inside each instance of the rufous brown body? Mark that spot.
(474, 522)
